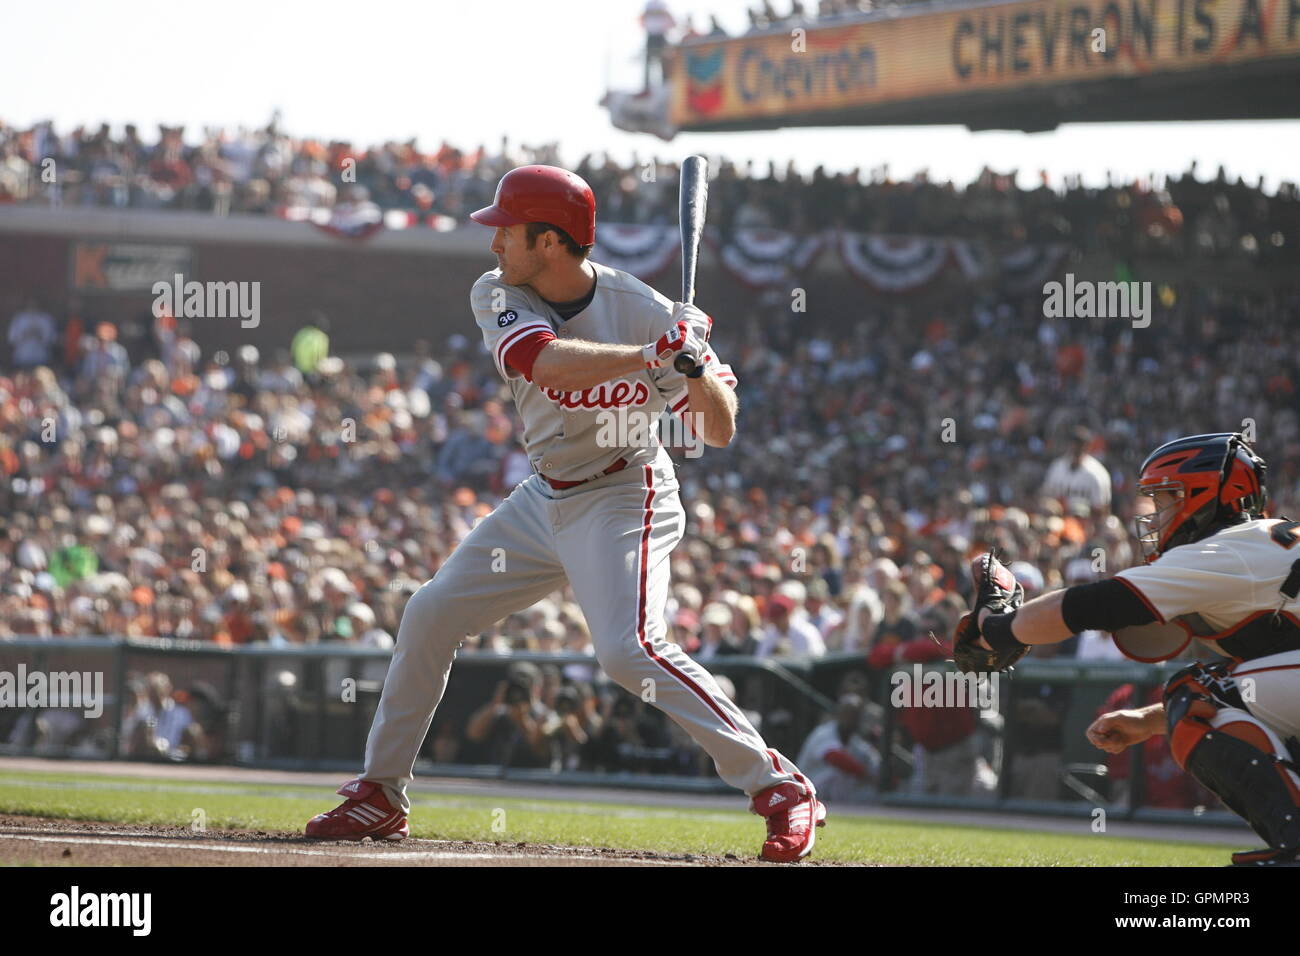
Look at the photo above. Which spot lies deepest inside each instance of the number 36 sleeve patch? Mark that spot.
(506, 318)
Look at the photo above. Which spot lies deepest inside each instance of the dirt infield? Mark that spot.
(45, 842)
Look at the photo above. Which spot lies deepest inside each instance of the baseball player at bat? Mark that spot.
(1217, 570)
(577, 342)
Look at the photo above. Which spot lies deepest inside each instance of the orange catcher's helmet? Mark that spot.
(543, 194)
(1217, 480)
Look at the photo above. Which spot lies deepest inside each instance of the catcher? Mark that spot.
(1216, 570)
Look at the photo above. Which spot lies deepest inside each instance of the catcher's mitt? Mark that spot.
(997, 589)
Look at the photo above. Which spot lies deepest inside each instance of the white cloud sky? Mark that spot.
(469, 72)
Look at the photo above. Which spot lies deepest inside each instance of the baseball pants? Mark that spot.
(611, 540)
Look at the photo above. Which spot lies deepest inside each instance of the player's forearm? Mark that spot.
(1108, 605)
(1153, 718)
(713, 409)
(1038, 621)
(570, 365)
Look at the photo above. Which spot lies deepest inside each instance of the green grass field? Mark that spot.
(245, 806)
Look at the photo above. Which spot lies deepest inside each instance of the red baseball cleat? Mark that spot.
(792, 821)
(365, 813)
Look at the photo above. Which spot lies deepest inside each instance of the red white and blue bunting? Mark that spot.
(364, 220)
(1028, 267)
(906, 263)
(644, 251)
(760, 258)
(767, 258)
(975, 259)
(1021, 269)
(893, 263)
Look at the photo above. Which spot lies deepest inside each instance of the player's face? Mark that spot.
(1155, 511)
(1165, 506)
(519, 264)
(1164, 499)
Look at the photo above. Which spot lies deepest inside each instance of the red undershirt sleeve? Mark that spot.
(521, 355)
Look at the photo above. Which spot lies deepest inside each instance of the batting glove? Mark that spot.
(694, 317)
(681, 339)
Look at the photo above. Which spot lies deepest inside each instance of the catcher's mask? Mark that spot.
(1217, 480)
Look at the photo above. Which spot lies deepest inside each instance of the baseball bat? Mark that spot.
(693, 199)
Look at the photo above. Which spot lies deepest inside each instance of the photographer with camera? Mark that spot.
(513, 728)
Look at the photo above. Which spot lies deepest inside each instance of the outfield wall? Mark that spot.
(289, 707)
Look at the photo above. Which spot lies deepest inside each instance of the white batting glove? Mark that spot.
(694, 317)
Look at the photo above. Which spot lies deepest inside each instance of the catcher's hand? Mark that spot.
(997, 589)
(1118, 730)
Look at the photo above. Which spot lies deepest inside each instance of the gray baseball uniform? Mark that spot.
(610, 537)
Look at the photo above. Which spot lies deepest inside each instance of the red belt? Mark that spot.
(561, 485)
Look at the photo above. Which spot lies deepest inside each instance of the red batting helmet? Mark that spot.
(543, 194)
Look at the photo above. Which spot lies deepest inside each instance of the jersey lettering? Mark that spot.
(605, 395)
(562, 435)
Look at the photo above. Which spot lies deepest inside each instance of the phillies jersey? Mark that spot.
(567, 434)
(1225, 590)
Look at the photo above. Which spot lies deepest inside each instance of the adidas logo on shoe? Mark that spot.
(776, 798)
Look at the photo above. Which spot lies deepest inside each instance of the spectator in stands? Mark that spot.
(514, 729)
(628, 739)
(311, 345)
(717, 636)
(269, 172)
(366, 633)
(823, 613)
(104, 364)
(15, 172)
(657, 23)
(1077, 475)
(789, 632)
(944, 744)
(204, 739)
(842, 764)
(576, 726)
(154, 725)
(898, 623)
(32, 336)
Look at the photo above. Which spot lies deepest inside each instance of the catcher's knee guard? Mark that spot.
(1219, 742)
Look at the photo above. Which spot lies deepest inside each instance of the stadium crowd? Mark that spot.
(150, 489)
(267, 171)
(662, 27)
(294, 498)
